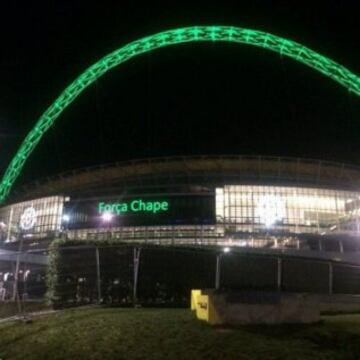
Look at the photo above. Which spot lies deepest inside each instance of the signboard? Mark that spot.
(134, 206)
(139, 211)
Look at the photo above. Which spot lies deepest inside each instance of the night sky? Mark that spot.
(208, 98)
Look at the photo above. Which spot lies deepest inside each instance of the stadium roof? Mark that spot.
(194, 170)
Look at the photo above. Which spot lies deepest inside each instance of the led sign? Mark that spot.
(133, 206)
(28, 218)
(270, 209)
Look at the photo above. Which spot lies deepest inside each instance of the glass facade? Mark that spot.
(36, 217)
(177, 234)
(241, 215)
(293, 209)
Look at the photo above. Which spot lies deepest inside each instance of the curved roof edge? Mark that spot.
(287, 170)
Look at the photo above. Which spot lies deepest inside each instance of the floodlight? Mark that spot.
(106, 216)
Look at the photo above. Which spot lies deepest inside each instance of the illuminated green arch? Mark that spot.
(177, 36)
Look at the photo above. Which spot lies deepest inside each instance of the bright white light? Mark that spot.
(106, 216)
(270, 209)
(66, 218)
(28, 218)
(27, 272)
(6, 276)
(226, 249)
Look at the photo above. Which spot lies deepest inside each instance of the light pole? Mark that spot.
(17, 266)
(98, 274)
(218, 266)
(136, 258)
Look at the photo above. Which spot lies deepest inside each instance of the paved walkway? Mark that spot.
(27, 316)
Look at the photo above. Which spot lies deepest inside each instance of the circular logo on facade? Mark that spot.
(270, 209)
(28, 218)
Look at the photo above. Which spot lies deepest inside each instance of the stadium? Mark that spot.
(242, 201)
(236, 222)
(301, 215)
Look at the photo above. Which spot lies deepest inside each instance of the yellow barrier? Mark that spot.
(203, 307)
(194, 295)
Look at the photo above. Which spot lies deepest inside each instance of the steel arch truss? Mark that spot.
(261, 39)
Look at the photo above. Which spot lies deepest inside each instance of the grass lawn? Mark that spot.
(115, 333)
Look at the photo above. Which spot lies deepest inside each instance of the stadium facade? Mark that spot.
(243, 201)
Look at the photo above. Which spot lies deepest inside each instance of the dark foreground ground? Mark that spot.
(172, 334)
